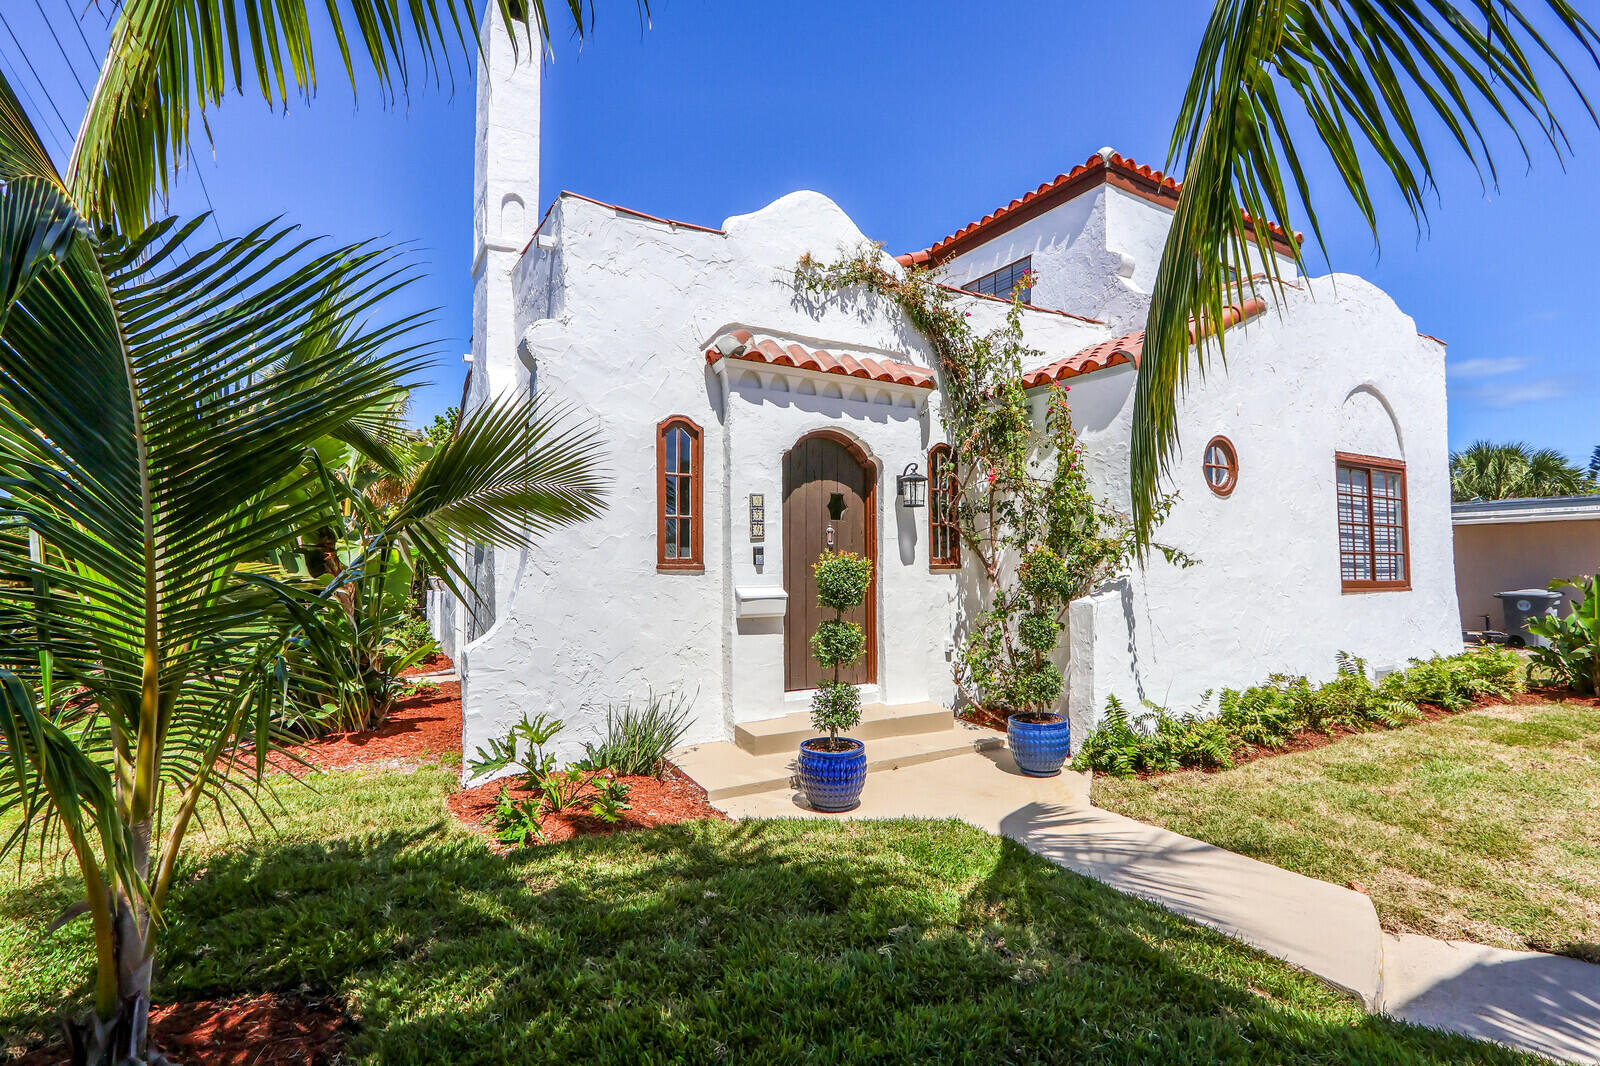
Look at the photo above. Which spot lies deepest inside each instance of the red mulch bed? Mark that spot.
(436, 663)
(420, 727)
(1546, 694)
(263, 1030)
(673, 797)
(428, 725)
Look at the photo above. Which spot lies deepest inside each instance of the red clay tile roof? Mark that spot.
(1114, 169)
(1123, 349)
(775, 352)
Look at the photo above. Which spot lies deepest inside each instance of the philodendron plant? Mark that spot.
(842, 581)
(1573, 657)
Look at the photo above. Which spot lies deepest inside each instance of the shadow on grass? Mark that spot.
(763, 942)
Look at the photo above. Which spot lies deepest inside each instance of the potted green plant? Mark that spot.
(833, 769)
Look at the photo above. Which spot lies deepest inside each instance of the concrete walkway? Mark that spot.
(1541, 1003)
(1327, 930)
(1548, 1004)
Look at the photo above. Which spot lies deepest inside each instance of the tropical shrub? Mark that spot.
(1353, 701)
(1455, 682)
(522, 746)
(1114, 746)
(842, 582)
(1268, 715)
(1573, 657)
(518, 822)
(1154, 741)
(610, 799)
(639, 735)
(146, 634)
(561, 789)
(410, 638)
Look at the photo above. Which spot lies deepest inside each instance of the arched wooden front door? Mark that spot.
(828, 484)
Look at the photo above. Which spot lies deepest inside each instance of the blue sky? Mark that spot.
(916, 118)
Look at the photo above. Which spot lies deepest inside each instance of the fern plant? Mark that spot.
(1269, 715)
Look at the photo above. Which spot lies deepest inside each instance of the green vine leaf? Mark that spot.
(1022, 489)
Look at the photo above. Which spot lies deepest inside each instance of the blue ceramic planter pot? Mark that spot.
(832, 780)
(1039, 747)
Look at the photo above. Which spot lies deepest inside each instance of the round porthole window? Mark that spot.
(1222, 466)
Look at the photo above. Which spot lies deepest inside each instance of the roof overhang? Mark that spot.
(1536, 509)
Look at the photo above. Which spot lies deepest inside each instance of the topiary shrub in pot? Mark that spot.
(833, 768)
(1039, 739)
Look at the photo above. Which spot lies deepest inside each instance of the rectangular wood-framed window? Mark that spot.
(680, 495)
(944, 536)
(1001, 282)
(1374, 546)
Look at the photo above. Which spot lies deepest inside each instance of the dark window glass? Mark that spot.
(1002, 282)
(679, 495)
(1372, 526)
(944, 539)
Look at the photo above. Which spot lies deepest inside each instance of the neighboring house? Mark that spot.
(747, 428)
(1504, 545)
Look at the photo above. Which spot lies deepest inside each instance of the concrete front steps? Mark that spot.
(764, 755)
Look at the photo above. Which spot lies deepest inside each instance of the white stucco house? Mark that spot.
(747, 427)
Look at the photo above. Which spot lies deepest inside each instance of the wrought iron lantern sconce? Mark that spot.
(911, 486)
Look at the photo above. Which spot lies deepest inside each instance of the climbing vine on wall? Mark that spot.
(1023, 505)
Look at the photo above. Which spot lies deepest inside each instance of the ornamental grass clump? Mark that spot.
(842, 582)
(640, 733)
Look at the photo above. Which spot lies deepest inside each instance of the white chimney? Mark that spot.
(506, 195)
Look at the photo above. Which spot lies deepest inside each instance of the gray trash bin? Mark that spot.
(1523, 606)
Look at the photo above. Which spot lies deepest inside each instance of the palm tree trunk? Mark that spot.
(121, 1037)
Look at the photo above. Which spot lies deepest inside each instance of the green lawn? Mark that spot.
(711, 942)
(1477, 827)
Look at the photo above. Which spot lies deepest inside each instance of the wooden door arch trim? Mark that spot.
(860, 455)
(853, 446)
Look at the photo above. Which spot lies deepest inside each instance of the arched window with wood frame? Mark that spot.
(680, 495)
(944, 535)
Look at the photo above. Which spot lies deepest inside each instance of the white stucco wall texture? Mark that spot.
(614, 313)
(1335, 367)
(611, 313)
(1094, 255)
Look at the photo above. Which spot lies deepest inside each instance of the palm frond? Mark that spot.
(171, 62)
(156, 411)
(1485, 470)
(515, 469)
(1366, 75)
